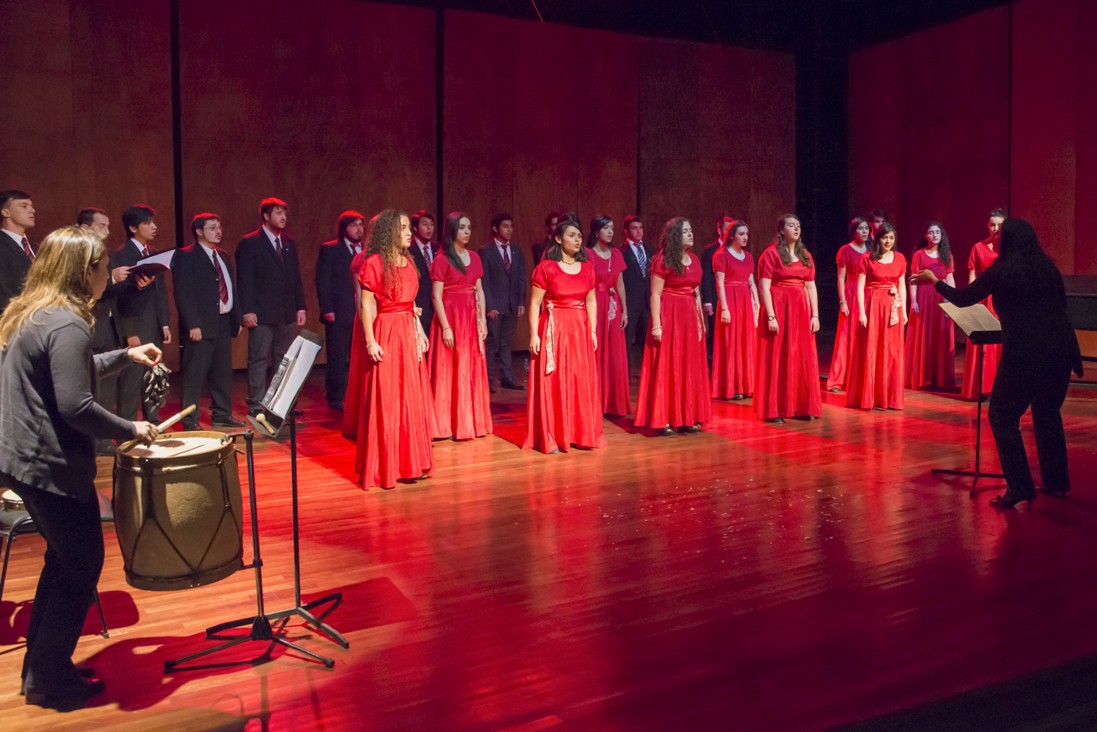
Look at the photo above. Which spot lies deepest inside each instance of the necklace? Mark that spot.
(566, 261)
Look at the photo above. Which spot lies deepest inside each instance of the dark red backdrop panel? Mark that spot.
(929, 129)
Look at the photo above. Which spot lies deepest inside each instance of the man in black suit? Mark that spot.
(637, 290)
(335, 293)
(271, 295)
(105, 335)
(16, 253)
(423, 252)
(709, 299)
(209, 318)
(141, 308)
(504, 285)
(539, 248)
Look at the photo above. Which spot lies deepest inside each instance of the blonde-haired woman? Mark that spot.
(49, 421)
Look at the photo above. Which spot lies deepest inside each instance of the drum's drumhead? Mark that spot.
(176, 444)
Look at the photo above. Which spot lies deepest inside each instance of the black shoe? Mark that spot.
(230, 422)
(1008, 501)
(255, 411)
(513, 385)
(70, 698)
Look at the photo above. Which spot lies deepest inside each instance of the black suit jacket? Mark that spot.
(196, 293)
(708, 276)
(503, 292)
(269, 285)
(540, 248)
(637, 283)
(141, 313)
(334, 283)
(423, 297)
(105, 333)
(13, 269)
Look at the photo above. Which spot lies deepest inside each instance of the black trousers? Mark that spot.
(74, 559)
(1021, 383)
(337, 339)
(267, 344)
(209, 361)
(499, 346)
(636, 332)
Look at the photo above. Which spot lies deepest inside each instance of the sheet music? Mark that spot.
(975, 319)
(291, 374)
(154, 265)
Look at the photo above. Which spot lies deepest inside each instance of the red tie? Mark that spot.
(145, 252)
(222, 286)
(27, 250)
(506, 257)
(278, 245)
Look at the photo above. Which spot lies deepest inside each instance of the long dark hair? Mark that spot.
(1019, 251)
(782, 245)
(881, 231)
(596, 225)
(449, 239)
(944, 251)
(555, 252)
(670, 244)
(855, 224)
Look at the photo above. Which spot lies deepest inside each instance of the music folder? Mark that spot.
(977, 322)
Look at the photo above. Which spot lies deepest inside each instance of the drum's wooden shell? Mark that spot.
(178, 519)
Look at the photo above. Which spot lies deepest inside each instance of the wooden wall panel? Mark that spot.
(323, 106)
(929, 128)
(1085, 207)
(771, 144)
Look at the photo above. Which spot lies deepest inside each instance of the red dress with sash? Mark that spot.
(612, 353)
(564, 407)
(459, 375)
(876, 371)
(674, 380)
(733, 343)
(838, 376)
(931, 335)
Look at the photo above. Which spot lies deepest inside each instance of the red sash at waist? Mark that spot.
(736, 283)
(880, 286)
(676, 292)
(797, 284)
(395, 308)
(459, 290)
(566, 304)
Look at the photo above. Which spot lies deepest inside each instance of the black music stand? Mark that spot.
(279, 411)
(260, 626)
(982, 329)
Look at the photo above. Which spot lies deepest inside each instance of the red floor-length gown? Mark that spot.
(786, 375)
(734, 342)
(876, 371)
(981, 257)
(564, 406)
(459, 375)
(394, 403)
(612, 352)
(838, 376)
(931, 335)
(674, 381)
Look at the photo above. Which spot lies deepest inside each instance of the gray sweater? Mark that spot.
(49, 419)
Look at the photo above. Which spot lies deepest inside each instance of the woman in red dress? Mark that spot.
(876, 370)
(931, 336)
(736, 327)
(982, 256)
(609, 293)
(674, 383)
(786, 377)
(396, 413)
(849, 255)
(564, 406)
(458, 367)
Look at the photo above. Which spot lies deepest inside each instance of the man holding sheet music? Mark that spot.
(141, 307)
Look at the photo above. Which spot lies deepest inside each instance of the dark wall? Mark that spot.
(334, 105)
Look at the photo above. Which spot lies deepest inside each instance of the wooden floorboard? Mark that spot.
(753, 577)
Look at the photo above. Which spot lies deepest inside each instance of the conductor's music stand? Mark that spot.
(982, 329)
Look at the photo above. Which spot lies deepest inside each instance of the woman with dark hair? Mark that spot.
(876, 370)
(609, 293)
(674, 381)
(787, 371)
(396, 412)
(931, 336)
(849, 256)
(49, 421)
(737, 321)
(979, 260)
(564, 407)
(1039, 350)
(458, 366)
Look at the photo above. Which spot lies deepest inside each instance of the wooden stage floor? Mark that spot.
(753, 577)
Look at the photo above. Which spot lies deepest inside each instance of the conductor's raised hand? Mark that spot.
(146, 354)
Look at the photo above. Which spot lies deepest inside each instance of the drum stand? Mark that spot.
(260, 623)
